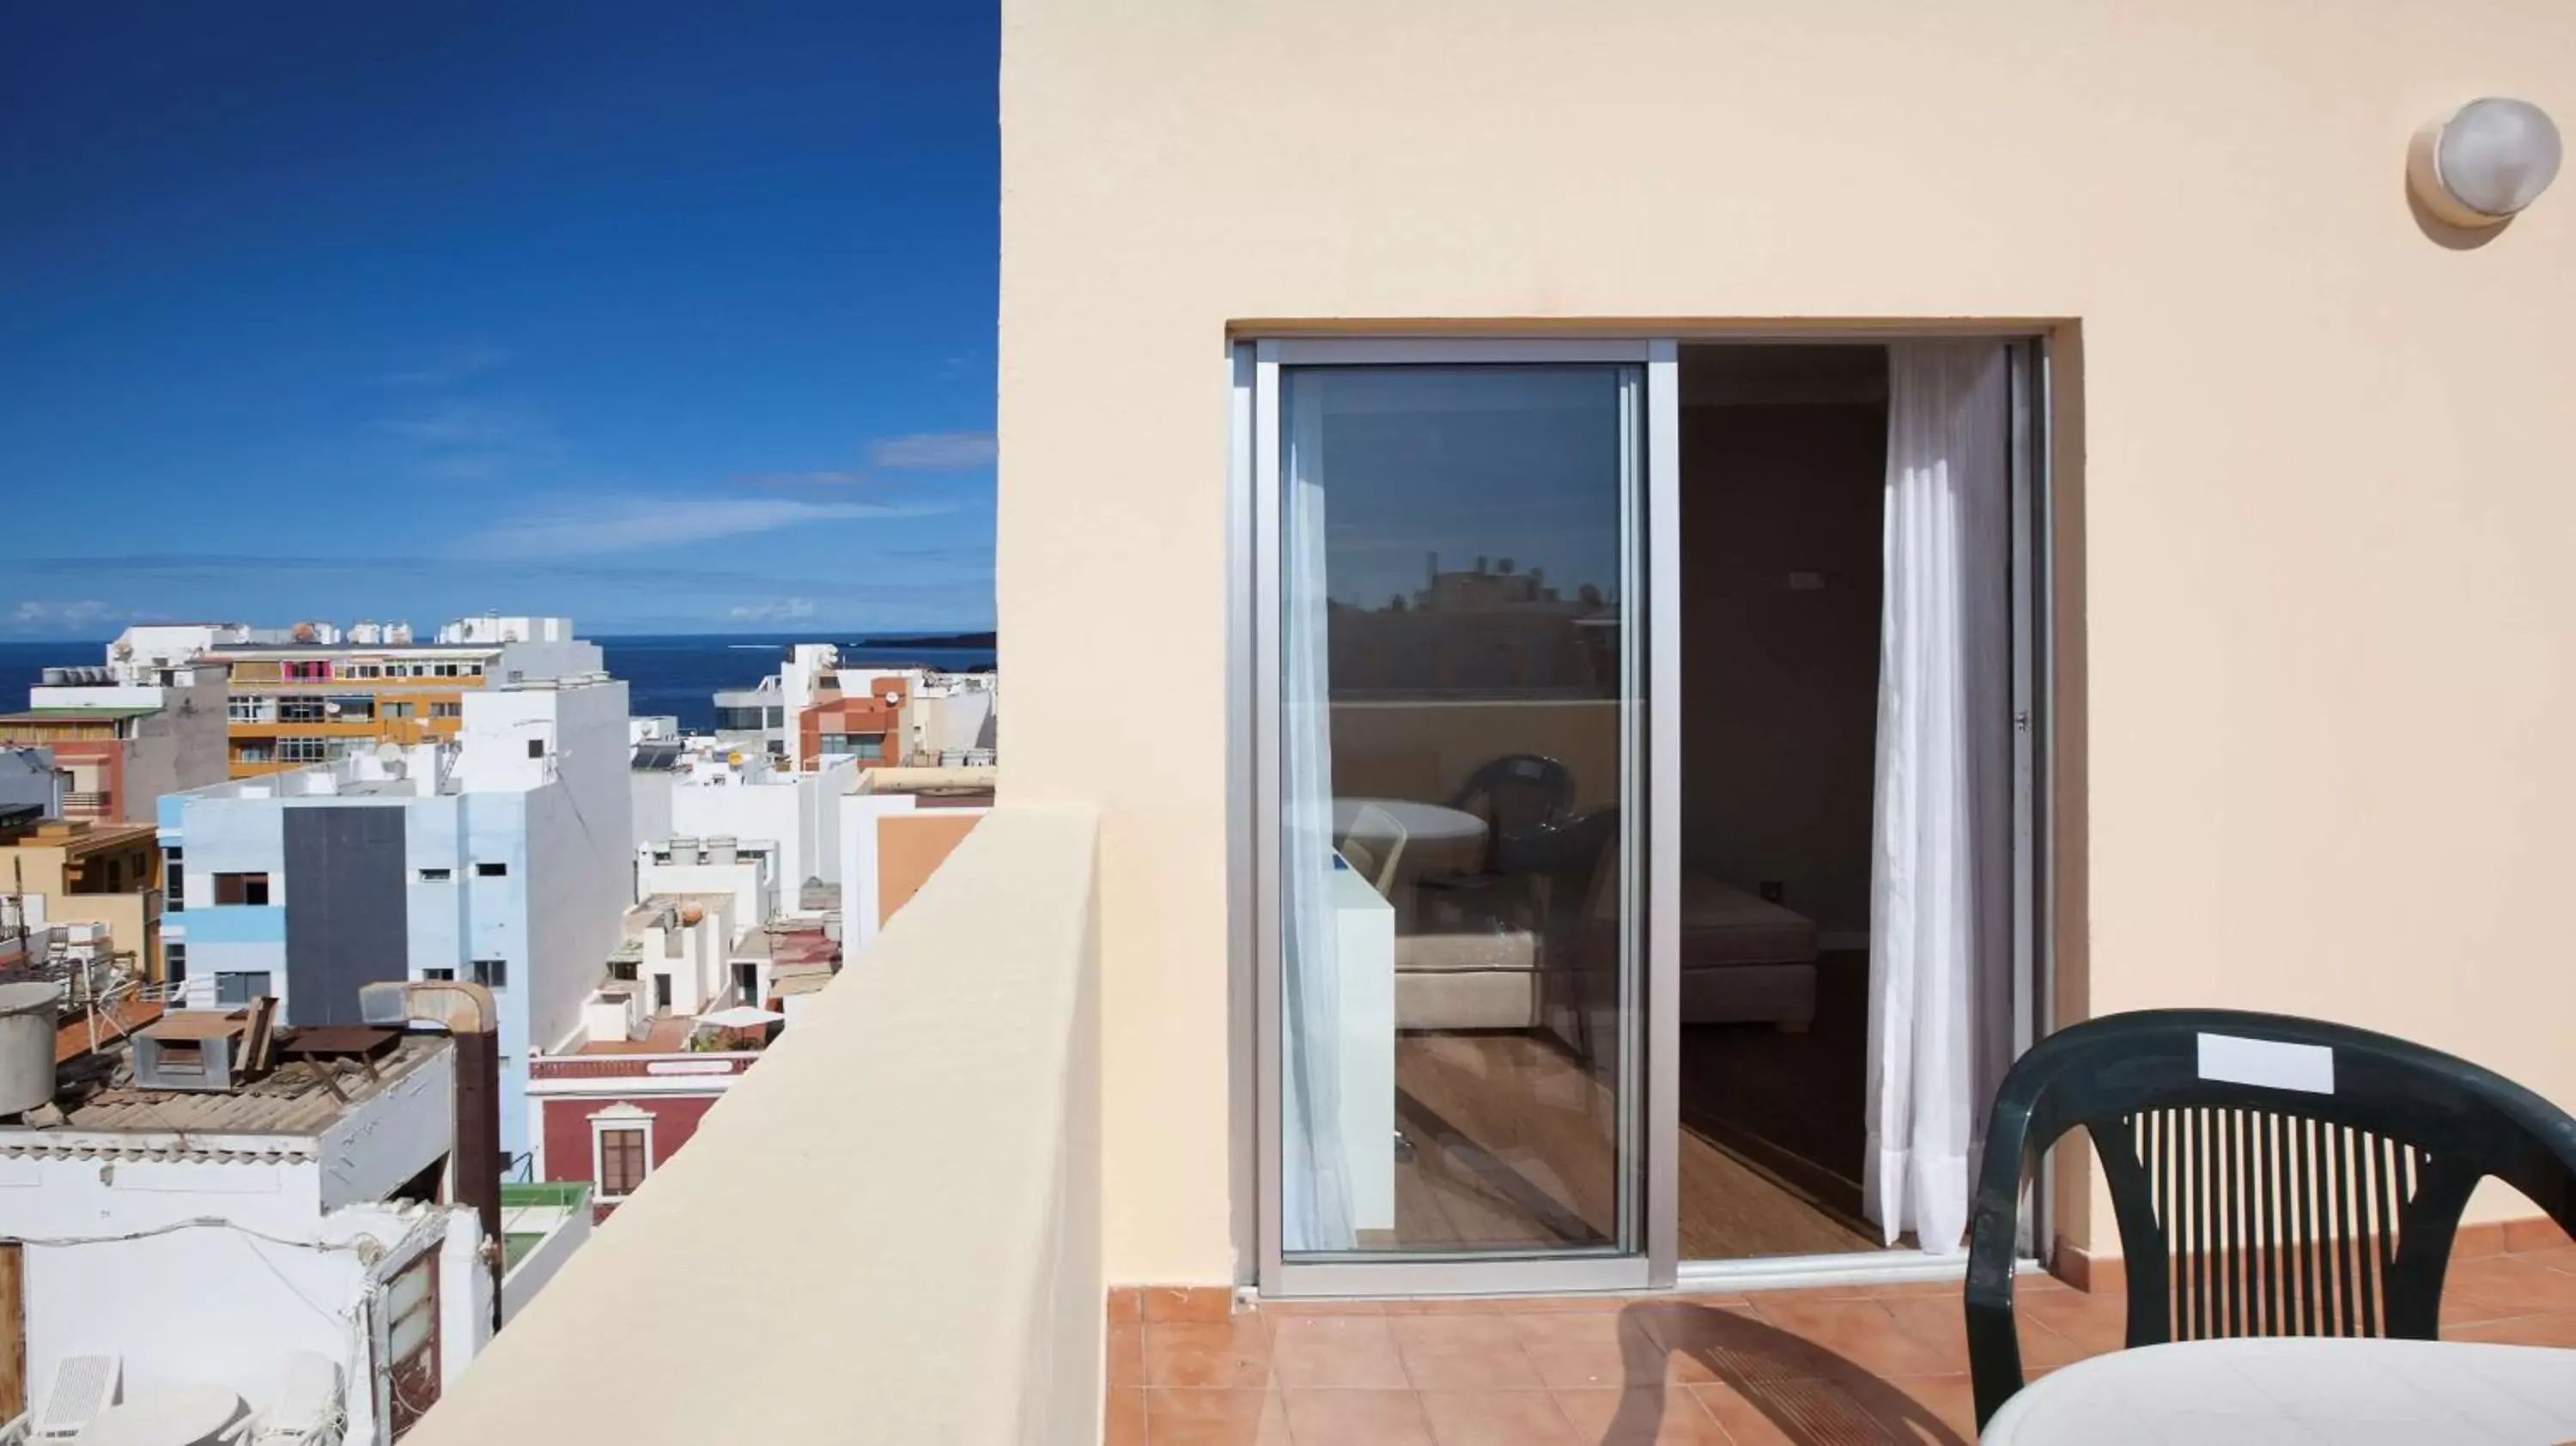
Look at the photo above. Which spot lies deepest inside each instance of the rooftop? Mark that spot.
(74, 715)
(303, 1096)
(658, 755)
(663, 1034)
(80, 836)
(225, 651)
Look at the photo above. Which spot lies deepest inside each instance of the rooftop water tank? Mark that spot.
(27, 1020)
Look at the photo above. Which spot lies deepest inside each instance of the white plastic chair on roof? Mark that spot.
(306, 1411)
(83, 1387)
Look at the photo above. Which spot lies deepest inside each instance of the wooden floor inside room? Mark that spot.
(1731, 1210)
(1789, 1109)
(1514, 1148)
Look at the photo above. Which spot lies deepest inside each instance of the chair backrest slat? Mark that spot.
(2313, 1191)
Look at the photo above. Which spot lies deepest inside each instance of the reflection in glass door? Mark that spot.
(1452, 613)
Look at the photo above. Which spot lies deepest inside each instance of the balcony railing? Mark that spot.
(897, 1214)
(88, 805)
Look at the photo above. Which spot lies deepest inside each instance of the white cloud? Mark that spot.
(800, 481)
(35, 616)
(469, 424)
(933, 452)
(781, 610)
(591, 527)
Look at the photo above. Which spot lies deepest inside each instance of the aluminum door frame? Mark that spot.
(1648, 1142)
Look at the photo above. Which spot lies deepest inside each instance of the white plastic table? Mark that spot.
(179, 1416)
(1423, 822)
(2299, 1392)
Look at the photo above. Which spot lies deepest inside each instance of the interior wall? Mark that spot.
(1780, 608)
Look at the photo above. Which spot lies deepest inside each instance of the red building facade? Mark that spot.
(609, 1120)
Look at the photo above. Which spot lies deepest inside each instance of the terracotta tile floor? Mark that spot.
(1815, 1368)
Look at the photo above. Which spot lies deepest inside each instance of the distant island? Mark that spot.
(941, 640)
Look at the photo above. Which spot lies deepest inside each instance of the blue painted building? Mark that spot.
(502, 859)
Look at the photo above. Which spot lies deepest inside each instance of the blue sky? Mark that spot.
(672, 317)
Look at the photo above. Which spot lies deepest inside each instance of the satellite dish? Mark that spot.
(123, 651)
(734, 758)
(892, 697)
(389, 752)
(330, 710)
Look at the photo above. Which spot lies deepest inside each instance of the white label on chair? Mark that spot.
(2267, 1062)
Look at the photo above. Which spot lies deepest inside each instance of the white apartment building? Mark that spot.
(694, 792)
(951, 719)
(269, 1252)
(504, 858)
(762, 718)
(935, 717)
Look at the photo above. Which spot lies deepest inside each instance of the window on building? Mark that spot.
(301, 710)
(439, 975)
(174, 882)
(350, 708)
(398, 710)
(622, 1162)
(474, 670)
(447, 670)
(316, 671)
(492, 973)
(436, 876)
(777, 717)
(412, 1368)
(306, 750)
(536, 748)
(238, 989)
(622, 969)
(241, 888)
(853, 745)
(254, 753)
(661, 993)
(491, 871)
(446, 710)
(174, 962)
(250, 710)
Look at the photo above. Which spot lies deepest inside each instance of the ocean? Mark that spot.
(674, 674)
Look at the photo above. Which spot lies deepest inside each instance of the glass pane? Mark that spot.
(1456, 746)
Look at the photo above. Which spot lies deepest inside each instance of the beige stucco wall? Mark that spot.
(2320, 491)
(888, 1232)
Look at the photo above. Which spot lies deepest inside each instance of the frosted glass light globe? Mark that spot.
(2486, 161)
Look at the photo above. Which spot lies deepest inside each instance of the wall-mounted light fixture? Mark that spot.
(2486, 161)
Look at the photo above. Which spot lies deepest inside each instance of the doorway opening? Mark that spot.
(1804, 816)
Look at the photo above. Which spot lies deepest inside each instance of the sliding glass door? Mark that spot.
(1451, 787)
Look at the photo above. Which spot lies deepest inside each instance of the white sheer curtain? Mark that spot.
(1940, 959)
(1315, 1182)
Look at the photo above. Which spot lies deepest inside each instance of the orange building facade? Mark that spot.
(867, 727)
